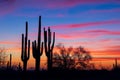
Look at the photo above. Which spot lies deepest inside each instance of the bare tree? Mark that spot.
(63, 59)
(3, 57)
(82, 58)
(68, 58)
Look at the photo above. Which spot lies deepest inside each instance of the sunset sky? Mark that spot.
(93, 24)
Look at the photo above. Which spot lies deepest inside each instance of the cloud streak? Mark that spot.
(8, 6)
(87, 34)
(87, 24)
(54, 4)
(103, 32)
(9, 42)
(108, 52)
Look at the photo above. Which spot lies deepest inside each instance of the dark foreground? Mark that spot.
(60, 75)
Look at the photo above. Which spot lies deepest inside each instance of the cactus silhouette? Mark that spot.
(37, 48)
(25, 55)
(9, 63)
(116, 63)
(48, 47)
(10, 60)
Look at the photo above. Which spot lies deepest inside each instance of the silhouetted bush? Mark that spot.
(72, 58)
(3, 57)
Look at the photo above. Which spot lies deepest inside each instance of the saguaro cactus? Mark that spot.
(48, 47)
(9, 63)
(37, 52)
(25, 55)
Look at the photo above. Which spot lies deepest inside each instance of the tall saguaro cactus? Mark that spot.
(25, 55)
(37, 48)
(48, 47)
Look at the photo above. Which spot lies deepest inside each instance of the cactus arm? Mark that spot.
(22, 47)
(45, 36)
(35, 44)
(28, 56)
(53, 41)
(49, 35)
(49, 40)
(45, 41)
(41, 49)
(34, 49)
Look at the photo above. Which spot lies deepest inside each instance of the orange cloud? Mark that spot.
(106, 53)
(114, 47)
(9, 42)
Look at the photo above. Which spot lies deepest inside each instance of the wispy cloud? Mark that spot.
(76, 35)
(106, 53)
(9, 42)
(87, 34)
(54, 4)
(87, 24)
(103, 32)
(114, 47)
(8, 6)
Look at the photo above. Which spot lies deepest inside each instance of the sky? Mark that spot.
(93, 24)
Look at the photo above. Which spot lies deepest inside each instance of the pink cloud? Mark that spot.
(108, 42)
(74, 35)
(87, 24)
(103, 32)
(87, 34)
(71, 3)
(8, 6)
(115, 47)
(101, 43)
